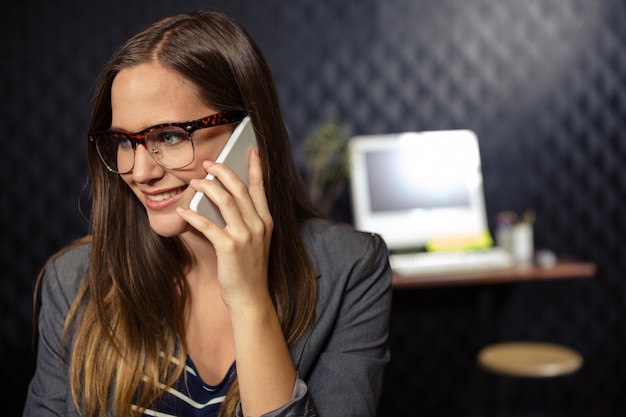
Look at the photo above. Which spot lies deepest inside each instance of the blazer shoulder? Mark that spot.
(336, 245)
(67, 270)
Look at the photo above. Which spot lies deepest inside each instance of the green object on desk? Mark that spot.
(462, 242)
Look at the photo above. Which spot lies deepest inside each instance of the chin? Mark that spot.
(169, 229)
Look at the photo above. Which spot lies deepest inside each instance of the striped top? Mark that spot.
(191, 397)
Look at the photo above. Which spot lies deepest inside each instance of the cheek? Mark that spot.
(193, 171)
(209, 148)
(128, 179)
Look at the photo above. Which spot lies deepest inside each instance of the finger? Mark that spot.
(201, 223)
(225, 202)
(251, 201)
(257, 186)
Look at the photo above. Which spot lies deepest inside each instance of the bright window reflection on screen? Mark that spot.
(399, 181)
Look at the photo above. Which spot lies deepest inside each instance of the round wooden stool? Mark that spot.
(530, 359)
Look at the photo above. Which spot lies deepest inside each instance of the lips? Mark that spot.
(165, 195)
(163, 199)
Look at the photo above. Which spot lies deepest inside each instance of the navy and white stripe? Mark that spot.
(191, 397)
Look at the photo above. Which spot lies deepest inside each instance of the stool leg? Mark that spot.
(489, 386)
(486, 380)
(482, 398)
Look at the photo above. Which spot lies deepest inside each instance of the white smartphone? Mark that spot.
(235, 156)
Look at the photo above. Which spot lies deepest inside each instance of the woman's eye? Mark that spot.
(125, 143)
(171, 138)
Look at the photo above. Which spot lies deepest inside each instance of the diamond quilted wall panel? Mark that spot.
(542, 82)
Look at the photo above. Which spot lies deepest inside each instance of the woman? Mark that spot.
(162, 312)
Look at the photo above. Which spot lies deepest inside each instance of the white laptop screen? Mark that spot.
(404, 187)
(417, 186)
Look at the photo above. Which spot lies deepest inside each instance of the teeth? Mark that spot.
(163, 196)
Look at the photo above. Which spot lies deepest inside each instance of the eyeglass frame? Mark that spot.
(139, 138)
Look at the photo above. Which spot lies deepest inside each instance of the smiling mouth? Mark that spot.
(166, 195)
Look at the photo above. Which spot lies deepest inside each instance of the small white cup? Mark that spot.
(517, 240)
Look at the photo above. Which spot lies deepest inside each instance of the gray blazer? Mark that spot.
(340, 362)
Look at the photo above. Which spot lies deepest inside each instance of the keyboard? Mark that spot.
(432, 263)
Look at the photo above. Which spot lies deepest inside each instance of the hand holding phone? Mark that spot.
(235, 156)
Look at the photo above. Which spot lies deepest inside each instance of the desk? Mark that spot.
(564, 269)
(480, 383)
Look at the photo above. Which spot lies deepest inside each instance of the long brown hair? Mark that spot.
(127, 324)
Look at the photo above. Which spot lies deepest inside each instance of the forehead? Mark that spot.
(150, 94)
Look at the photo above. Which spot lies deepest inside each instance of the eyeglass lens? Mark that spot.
(171, 147)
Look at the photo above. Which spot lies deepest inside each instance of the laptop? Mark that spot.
(422, 192)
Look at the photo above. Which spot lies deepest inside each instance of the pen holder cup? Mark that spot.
(517, 240)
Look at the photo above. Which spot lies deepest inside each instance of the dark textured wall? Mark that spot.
(542, 82)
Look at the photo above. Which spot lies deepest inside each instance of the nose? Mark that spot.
(145, 169)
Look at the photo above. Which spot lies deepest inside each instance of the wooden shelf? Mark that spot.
(562, 270)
